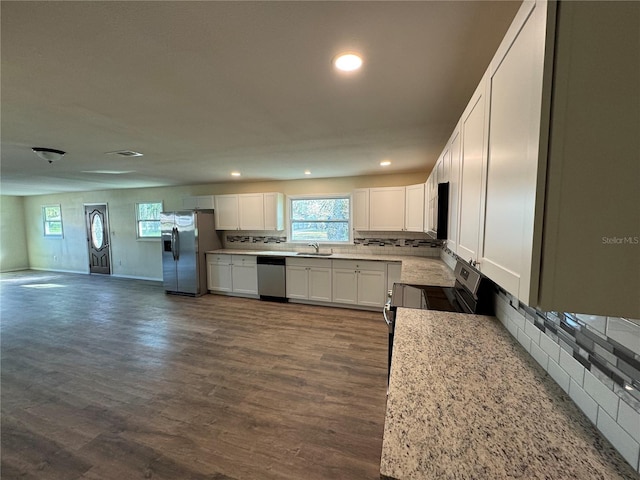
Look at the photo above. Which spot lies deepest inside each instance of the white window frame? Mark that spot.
(46, 221)
(291, 198)
(138, 220)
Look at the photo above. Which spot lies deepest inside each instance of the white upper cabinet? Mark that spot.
(273, 211)
(249, 211)
(386, 209)
(454, 189)
(199, 202)
(414, 208)
(472, 169)
(360, 199)
(226, 212)
(591, 244)
(548, 161)
(515, 92)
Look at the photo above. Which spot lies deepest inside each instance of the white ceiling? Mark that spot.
(204, 88)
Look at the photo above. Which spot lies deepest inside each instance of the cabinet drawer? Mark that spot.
(309, 262)
(360, 265)
(219, 259)
(243, 259)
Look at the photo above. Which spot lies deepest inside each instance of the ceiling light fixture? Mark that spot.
(307, 172)
(235, 174)
(385, 163)
(109, 172)
(126, 153)
(348, 62)
(49, 154)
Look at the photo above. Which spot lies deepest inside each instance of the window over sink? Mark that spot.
(320, 218)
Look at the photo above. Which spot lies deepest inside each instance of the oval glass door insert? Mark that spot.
(97, 235)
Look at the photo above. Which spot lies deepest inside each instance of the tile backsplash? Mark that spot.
(594, 359)
(376, 243)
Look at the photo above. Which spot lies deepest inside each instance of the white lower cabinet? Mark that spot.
(359, 282)
(244, 274)
(219, 273)
(309, 279)
(232, 274)
(348, 282)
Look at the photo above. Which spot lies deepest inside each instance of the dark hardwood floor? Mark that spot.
(107, 378)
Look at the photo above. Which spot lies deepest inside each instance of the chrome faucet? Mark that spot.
(315, 245)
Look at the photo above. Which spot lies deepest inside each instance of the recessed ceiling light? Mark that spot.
(307, 172)
(385, 163)
(347, 62)
(235, 174)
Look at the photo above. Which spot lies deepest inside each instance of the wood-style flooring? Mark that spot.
(108, 378)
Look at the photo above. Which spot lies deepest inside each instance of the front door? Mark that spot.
(98, 238)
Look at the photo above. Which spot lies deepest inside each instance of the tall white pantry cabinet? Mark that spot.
(548, 198)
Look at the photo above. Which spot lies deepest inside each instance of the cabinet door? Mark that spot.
(454, 190)
(226, 212)
(345, 286)
(386, 209)
(251, 211)
(245, 278)
(414, 208)
(361, 209)
(473, 167)
(515, 86)
(219, 277)
(371, 288)
(297, 282)
(205, 202)
(319, 284)
(433, 201)
(273, 211)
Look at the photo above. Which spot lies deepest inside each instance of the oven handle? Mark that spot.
(386, 308)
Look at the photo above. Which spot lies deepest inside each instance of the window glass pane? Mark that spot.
(149, 211)
(52, 212)
(52, 220)
(148, 219)
(320, 231)
(148, 228)
(320, 209)
(53, 228)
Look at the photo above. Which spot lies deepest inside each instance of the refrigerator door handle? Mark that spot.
(173, 243)
(176, 244)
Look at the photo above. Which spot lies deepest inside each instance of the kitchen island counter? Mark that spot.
(467, 402)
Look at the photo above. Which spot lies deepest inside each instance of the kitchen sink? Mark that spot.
(314, 254)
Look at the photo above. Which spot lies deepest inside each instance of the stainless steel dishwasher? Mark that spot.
(272, 278)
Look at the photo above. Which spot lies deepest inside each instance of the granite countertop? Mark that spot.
(418, 270)
(467, 402)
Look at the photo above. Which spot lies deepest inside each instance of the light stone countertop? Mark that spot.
(467, 402)
(418, 270)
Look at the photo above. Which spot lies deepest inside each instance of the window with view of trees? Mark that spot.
(148, 219)
(319, 219)
(52, 220)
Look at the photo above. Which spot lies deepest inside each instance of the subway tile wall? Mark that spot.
(595, 360)
(369, 243)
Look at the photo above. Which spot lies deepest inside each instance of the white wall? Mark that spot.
(13, 240)
(142, 258)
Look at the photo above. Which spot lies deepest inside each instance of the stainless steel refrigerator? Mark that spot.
(186, 236)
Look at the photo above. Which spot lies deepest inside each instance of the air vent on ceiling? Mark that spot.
(125, 153)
